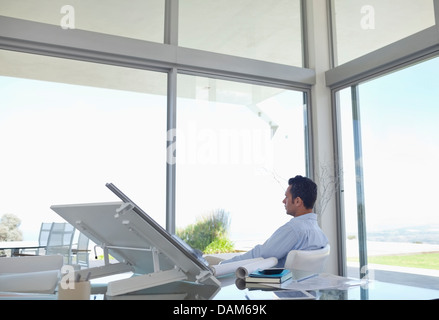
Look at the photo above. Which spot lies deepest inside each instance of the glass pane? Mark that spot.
(237, 146)
(349, 196)
(268, 30)
(400, 144)
(364, 26)
(138, 19)
(61, 143)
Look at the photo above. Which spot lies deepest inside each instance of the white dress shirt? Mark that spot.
(300, 233)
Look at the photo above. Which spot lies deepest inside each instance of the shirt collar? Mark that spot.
(310, 216)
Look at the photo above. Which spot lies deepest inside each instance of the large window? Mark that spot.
(362, 26)
(138, 19)
(61, 142)
(390, 152)
(237, 145)
(269, 30)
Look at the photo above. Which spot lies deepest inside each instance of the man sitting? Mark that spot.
(302, 232)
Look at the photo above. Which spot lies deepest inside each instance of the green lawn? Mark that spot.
(424, 261)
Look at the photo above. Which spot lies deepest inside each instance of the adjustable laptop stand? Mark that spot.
(139, 243)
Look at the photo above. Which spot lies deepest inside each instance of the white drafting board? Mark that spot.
(134, 233)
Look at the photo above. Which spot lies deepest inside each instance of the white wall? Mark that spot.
(322, 130)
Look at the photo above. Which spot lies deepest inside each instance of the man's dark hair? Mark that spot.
(304, 188)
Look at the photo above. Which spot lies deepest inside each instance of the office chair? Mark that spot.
(308, 260)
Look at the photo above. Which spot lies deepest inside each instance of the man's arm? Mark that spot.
(278, 246)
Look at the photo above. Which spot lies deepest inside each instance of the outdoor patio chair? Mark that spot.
(81, 252)
(42, 241)
(60, 241)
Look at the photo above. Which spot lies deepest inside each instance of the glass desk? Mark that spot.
(372, 290)
(17, 246)
(232, 289)
(377, 290)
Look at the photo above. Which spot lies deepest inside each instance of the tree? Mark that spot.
(210, 233)
(9, 228)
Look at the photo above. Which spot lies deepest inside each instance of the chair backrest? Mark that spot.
(60, 240)
(42, 241)
(44, 236)
(308, 260)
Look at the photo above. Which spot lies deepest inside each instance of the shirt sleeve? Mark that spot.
(278, 246)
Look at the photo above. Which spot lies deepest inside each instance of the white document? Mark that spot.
(244, 267)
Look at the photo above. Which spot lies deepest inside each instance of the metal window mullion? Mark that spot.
(171, 22)
(170, 165)
(436, 12)
(171, 38)
(307, 116)
(332, 34)
(361, 211)
(338, 168)
(304, 24)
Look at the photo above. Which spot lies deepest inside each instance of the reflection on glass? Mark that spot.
(237, 146)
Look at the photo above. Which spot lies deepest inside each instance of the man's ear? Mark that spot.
(298, 201)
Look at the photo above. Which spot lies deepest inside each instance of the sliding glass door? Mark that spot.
(389, 153)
